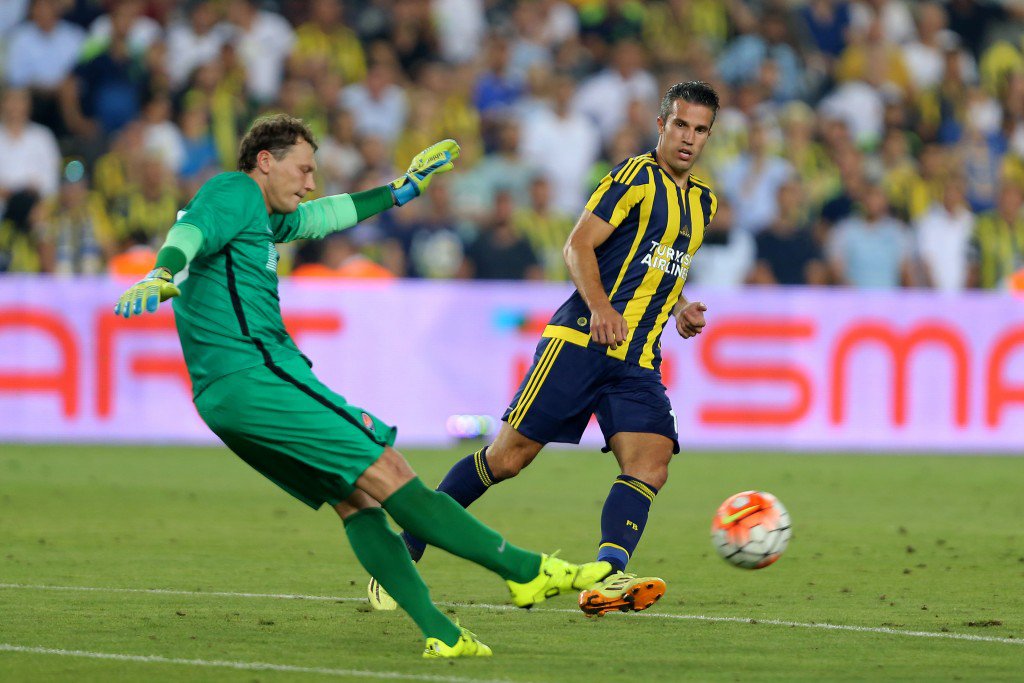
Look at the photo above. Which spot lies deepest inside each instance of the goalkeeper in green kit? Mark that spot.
(255, 390)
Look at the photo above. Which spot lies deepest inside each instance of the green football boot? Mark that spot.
(557, 576)
(467, 646)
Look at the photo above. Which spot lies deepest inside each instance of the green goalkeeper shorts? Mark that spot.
(294, 430)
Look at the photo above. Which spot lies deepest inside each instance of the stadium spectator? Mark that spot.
(461, 26)
(378, 103)
(503, 170)
(499, 251)
(76, 237)
(605, 97)
(753, 180)
(263, 41)
(160, 134)
(324, 43)
(40, 54)
(747, 57)
(787, 253)
(20, 233)
(142, 32)
(805, 154)
(557, 22)
(149, 204)
(871, 250)
(33, 159)
(827, 23)
(340, 160)
(194, 40)
(429, 240)
(105, 91)
(546, 227)
(893, 17)
(340, 258)
(726, 255)
(201, 160)
(606, 23)
(565, 145)
(997, 245)
(42, 51)
(497, 88)
(943, 237)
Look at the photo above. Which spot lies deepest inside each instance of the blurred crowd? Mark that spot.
(869, 143)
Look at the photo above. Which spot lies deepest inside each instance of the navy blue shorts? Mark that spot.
(568, 383)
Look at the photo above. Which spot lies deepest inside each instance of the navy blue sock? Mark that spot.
(466, 481)
(623, 519)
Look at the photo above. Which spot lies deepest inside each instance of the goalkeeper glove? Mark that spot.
(156, 287)
(438, 158)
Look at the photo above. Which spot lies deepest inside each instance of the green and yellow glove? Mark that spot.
(438, 158)
(156, 287)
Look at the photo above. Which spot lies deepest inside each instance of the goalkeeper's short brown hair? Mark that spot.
(276, 134)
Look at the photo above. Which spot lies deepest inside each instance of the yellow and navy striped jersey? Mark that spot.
(997, 248)
(643, 264)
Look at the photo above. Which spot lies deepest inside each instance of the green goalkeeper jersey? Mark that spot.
(229, 314)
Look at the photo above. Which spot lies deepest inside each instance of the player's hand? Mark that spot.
(438, 158)
(690, 319)
(608, 327)
(156, 287)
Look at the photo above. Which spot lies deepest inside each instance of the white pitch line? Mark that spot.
(883, 630)
(248, 666)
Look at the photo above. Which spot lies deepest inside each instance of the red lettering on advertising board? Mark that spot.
(109, 327)
(1000, 391)
(900, 346)
(62, 380)
(755, 330)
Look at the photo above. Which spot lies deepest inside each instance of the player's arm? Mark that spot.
(320, 217)
(607, 326)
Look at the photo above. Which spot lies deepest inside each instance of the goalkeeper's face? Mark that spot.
(290, 178)
(681, 137)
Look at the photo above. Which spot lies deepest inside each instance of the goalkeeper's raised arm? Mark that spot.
(225, 208)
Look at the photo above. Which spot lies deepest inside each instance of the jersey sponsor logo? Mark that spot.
(667, 259)
(368, 422)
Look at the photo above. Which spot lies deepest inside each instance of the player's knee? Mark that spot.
(506, 463)
(651, 473)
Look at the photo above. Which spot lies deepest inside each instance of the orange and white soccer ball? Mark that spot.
(751, 529)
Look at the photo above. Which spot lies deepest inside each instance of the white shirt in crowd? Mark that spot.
(38, 59)
(606, 97)
(187, 50)
(563, 149)
(461, 26)
(943, 238)
(263, 49)
(37, 143)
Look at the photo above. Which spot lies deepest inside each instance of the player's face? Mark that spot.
(290, 178)
(683, 135)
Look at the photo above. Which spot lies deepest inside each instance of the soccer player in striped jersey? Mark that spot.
(601, 352)
(255, 390)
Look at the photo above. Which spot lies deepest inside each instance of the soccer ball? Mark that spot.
(750, 529)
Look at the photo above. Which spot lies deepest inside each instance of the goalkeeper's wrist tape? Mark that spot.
(403, 190)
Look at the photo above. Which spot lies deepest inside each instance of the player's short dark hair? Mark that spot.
(694, 92)
(276, 134)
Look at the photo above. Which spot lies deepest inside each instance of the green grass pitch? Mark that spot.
(919, 559)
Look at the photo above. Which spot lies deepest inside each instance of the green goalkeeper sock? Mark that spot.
(441, 522)
(383, 554)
